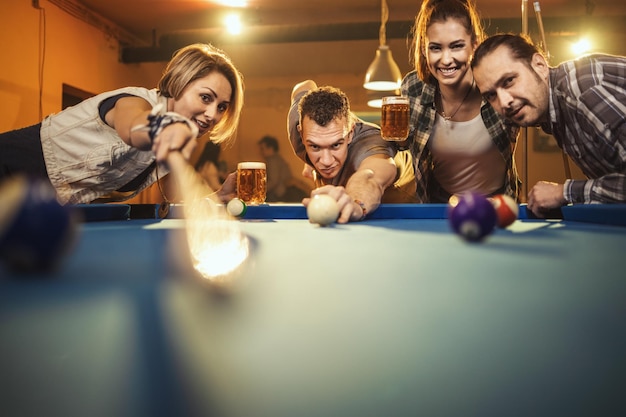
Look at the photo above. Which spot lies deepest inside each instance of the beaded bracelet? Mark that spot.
(362, 205)
(158, 120)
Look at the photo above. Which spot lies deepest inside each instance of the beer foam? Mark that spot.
(251, 165)
(395, 100)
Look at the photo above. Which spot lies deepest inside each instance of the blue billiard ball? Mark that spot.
(472, 216)
(36, 232)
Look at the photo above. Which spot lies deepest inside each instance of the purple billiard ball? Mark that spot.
(472, 216)
(36, 232)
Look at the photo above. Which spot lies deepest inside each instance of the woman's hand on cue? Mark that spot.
(175, 137)
(228, 190)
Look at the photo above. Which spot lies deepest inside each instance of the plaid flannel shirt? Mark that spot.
(422, 101)
(588, 120)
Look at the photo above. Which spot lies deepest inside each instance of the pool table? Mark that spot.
(392, 316)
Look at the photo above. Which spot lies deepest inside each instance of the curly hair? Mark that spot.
(325, 104)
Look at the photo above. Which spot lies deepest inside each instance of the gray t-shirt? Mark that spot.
(366, 142)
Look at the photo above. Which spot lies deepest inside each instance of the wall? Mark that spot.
(75, 53)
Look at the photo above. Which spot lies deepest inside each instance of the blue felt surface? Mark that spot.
(388, 317)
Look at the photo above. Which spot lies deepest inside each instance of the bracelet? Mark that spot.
(362, 205)
(157, 121)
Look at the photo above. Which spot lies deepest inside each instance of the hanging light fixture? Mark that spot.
(383, 73)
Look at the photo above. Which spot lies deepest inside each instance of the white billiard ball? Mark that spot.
(322, 210)
(236, 207)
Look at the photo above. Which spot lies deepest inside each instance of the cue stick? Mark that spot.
(524, 129)
(191, 185)
(568, 173)
(216, 244)
(541, 31)
(525, 17)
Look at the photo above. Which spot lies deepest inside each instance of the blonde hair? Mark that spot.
(433, 11)
(197, 61)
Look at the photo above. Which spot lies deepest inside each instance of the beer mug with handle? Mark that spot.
(394, 121)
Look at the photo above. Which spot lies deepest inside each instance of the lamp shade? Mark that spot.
(383, 73)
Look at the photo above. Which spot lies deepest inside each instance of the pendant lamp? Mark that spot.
(383, 73)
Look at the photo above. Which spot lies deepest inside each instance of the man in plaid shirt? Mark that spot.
(581, 102)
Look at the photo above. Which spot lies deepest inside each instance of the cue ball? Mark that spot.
(507, 209)
(36, 232)
(236, 207)
(472, 216)
(322, 210)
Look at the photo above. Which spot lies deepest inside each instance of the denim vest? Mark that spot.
(85, 158)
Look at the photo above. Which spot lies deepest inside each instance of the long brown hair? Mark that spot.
(520, 47)
(439, 11)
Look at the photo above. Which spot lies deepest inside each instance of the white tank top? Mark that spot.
(465, 157)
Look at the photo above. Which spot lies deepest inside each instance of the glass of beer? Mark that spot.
(251, 182)
(394, 122)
